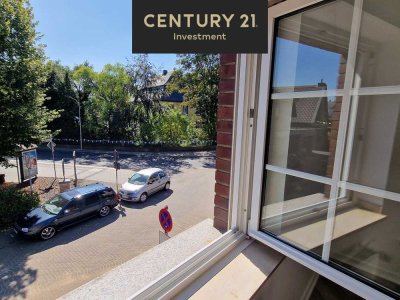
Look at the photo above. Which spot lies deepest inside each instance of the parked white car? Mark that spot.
(144, 183)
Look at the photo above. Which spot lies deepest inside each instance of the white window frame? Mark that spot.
(265, 76)
(247, 170)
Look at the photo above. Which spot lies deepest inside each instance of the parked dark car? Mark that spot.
(66, 209)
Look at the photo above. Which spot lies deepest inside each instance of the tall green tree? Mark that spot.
(60, 96)
(23, 117)
(109, 109)
(198, 79)
(83, 82)
(145, 93)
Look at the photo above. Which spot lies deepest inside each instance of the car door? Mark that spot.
(91, 204)
(153, 183)
(163, 179)
(71, 213)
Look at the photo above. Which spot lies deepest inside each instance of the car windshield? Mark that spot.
(54, 205)
(138, 179)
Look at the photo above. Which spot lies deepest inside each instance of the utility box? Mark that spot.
(64, 185)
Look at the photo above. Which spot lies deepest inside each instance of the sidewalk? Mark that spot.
(95, 173)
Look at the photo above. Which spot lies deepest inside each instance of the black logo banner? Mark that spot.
(207, 26)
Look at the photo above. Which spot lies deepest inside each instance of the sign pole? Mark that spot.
(116, 167)
(28, 165)
(63, 168)
(30, 180)
(17, 164)
(80, 123)
(51, 146)
(76, 178)
(54, 163)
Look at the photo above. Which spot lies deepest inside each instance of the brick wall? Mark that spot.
(224, 139)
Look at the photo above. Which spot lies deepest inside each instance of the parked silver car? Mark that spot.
(144, 183)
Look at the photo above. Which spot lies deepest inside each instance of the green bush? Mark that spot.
(173, 126)
(14, 202)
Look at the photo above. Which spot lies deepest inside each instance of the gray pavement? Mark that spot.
(174, 162)
(47, 270)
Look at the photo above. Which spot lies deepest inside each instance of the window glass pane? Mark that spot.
(92, 199)
(378, 55)
(366, 238)
(295, 209)
(375, 142)
(107, 194)
(303, 134)
(311, 46)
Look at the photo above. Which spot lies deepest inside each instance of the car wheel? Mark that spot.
(167, 185)
(47, 233)
(104, 211)
(143, 197)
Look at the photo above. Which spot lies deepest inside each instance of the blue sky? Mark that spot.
(311, 64)
(99, 31)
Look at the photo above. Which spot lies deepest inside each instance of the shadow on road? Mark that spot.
(153, 200)
(172, 162)
(15, 275)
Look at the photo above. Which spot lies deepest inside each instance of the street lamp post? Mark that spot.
(80, 122)
(80, 119)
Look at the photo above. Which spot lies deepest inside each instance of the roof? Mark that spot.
(82, 190)
(162, 80)
(173, 97)
(149, 171)
(305, 110)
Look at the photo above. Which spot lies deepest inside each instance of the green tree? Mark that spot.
(109, 109)
(60, 96)
(83, 83)
(23, 116)
(145, 93)
(173, 127)
(198, 79)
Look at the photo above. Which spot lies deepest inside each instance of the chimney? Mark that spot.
(322, 85)
(164, 72)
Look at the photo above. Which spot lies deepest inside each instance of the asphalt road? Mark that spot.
(174, 162)
(47, 270)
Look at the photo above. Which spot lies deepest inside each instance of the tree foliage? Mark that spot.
(173, 126)
(83, 83)
(198, 79)
(60, 96)
(123, 102)
(23, 116)
(109, 108)
(144, 91)
(14, 202)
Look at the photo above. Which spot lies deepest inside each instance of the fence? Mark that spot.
(122, 143)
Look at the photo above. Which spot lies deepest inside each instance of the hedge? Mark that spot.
(14, 202)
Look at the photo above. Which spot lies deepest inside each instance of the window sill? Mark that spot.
(130, 277)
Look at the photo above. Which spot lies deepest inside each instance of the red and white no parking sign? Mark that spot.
(165, 219)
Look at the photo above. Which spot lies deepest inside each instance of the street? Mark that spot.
(47, 270)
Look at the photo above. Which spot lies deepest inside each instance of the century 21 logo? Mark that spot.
(245, 21)
(197, 20)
